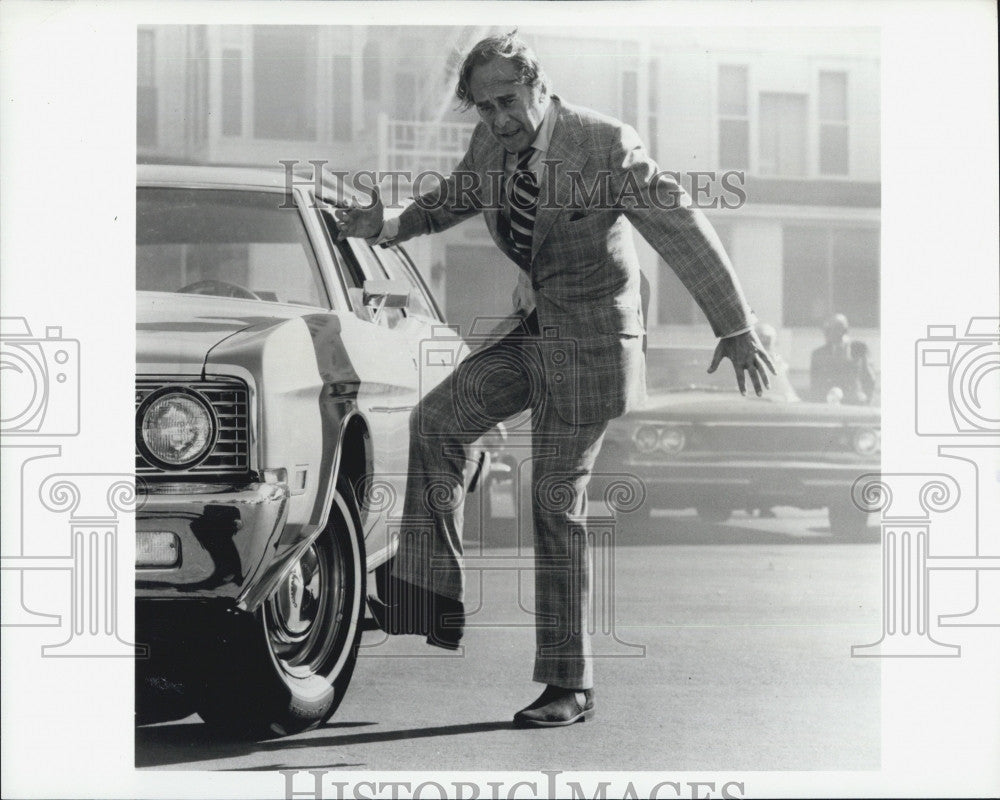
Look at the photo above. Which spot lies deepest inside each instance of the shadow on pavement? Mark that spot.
(689, 529)
(163, 745)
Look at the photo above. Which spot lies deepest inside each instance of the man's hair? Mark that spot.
(508, 47)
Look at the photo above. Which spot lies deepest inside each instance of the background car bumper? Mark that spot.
(740, 484)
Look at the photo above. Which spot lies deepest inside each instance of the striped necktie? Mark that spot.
(522, 195)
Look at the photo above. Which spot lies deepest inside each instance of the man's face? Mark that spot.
(512, 110)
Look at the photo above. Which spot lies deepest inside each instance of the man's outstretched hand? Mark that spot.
(360, 221)
(748, 355)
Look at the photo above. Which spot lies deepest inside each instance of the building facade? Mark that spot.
(792, 115)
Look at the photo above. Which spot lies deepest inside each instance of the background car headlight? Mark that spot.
(672, 440)
(646, 438)
(176, 428)
(867, 442)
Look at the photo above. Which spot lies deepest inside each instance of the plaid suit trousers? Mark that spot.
(488, 387)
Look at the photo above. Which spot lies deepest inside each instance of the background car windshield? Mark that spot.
(226, 243)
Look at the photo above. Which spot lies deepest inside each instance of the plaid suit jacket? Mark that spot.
(584, 270)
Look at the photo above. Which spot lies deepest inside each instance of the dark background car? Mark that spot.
(698, 443)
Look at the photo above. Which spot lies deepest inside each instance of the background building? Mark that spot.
(797, 111)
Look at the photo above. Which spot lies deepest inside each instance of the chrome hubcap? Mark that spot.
(299, 595)
(303, 613)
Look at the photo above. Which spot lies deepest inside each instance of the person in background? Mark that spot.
(839, 370)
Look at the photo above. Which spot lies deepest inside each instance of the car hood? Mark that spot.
(731, 407)
(180, 329)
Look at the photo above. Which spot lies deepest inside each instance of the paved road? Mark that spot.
(730, 649)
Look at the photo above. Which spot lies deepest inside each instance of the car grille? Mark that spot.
(230, 400)
(772, 440)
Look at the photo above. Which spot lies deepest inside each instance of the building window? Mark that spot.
(831, 270)
(196, 120)
(232, 92)
(734, 118)
(833, 126)
(630, 97)
(146, 100)
(674, 303)
(782, 134)
(284, 82)
(654, 108)
(406, 96)
(343, 96)
(372, 72)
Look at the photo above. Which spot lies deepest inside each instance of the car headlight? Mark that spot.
(672, 440)
(176, 428)
(646, 438)
(867, 442)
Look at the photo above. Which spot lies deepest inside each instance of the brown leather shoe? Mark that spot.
(556, 707)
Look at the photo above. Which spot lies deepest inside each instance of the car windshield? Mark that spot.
(685, 370)
(228, 243)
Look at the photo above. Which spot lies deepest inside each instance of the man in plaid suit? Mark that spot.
(558, 186)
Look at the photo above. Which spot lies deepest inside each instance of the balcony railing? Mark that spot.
(414, 147)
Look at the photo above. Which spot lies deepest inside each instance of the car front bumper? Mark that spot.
(225, 538)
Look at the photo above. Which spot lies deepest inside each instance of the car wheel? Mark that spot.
(286, 668)
(847, 521)
(714, 514)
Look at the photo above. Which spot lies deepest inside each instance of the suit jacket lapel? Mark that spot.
(564, 156)
(490, 155)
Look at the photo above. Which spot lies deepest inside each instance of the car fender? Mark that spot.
(304, 396)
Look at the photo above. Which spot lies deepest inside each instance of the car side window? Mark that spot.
(358, 264)
(395, 264)
(364, 263)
